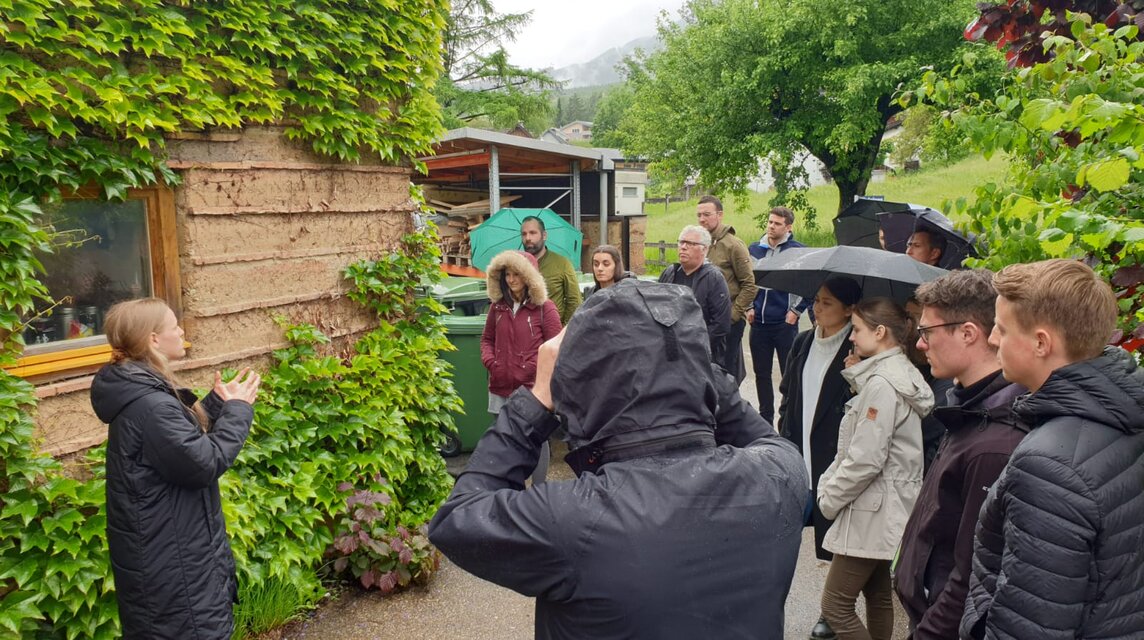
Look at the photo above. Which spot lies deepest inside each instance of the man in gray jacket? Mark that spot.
(686, 515)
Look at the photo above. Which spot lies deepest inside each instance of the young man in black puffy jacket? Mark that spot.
(1058, 552)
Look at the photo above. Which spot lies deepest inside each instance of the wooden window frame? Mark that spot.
(85, 355)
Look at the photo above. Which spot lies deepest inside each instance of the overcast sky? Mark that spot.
(563, 33)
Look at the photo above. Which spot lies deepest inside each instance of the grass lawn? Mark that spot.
(928, 187)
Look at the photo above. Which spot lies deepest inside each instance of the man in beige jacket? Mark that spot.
(729, 254)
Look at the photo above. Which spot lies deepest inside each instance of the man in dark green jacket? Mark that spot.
(559, 276)
(729, 254)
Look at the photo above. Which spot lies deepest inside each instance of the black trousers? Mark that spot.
(733, 356)
(766, 339)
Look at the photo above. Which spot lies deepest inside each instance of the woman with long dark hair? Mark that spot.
(607, 267)
(173, 567)
(813, 392)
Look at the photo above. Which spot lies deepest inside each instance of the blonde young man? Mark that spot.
(1059, 549)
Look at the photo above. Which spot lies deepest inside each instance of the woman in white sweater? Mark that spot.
(813, 391)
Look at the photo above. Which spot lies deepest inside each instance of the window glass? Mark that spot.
(631, 192)
(104, 258)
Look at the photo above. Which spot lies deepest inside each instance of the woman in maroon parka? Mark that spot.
(520, 319)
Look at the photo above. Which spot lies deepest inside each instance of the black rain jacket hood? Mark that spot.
(659, 384)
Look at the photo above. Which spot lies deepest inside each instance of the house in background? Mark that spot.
(577, 130)
(631, 186)
(554, 135)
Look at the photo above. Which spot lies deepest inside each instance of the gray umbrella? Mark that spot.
(881, 273)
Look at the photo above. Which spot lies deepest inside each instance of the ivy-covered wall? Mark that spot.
(255, 208)
(121, 94)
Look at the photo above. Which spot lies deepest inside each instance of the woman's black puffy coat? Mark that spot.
(174, 571)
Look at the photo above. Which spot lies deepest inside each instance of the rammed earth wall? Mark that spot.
(264, 229)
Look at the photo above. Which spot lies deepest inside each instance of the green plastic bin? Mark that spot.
(470, 379)
(463, 296)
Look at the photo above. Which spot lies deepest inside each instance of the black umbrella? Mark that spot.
(899, 226)
(857, 224)
(802, 271)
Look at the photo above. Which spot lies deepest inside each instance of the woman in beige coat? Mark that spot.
(873, 483)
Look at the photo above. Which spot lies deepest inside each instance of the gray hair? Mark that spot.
(704, 235)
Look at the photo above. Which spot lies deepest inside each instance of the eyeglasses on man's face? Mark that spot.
(690, 244)
(923, 331)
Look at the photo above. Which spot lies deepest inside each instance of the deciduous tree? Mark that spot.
(1073, 129)
(740, 80)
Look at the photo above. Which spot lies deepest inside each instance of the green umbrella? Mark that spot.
(501, 232)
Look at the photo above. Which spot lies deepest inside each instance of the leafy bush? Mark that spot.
(1073, 127)
(380, 551)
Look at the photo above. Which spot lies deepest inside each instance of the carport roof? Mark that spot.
(463, 155)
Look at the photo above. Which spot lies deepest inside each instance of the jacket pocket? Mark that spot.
(869, 500)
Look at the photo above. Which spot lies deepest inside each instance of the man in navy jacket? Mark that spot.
(774, 316)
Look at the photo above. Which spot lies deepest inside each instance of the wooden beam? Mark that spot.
(455, 162)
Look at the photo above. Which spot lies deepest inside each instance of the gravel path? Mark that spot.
(459, 606)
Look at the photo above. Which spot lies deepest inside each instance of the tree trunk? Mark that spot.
(852, 170)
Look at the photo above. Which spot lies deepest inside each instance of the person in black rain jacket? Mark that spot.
(173, 567)
(686, 515)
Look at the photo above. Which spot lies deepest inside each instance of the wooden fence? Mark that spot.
(662, 247)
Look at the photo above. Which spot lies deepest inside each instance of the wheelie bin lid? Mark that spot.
(464, 325)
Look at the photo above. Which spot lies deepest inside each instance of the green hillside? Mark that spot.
(929, 187)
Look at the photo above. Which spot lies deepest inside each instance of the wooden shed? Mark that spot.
(260, 227)
(473, 173)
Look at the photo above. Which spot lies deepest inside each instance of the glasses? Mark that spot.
(688, 244)
(924, 331)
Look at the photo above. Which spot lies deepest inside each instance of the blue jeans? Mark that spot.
(766, 339)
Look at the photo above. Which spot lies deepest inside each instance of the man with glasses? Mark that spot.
(706, 283)
(934, 563)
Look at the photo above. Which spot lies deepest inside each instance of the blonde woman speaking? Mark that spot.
(174, 571)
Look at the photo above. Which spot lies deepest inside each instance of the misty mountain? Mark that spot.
(601, 70)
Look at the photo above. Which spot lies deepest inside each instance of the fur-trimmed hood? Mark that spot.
(522, 263)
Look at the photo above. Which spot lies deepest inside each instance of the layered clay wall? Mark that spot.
(264, 230)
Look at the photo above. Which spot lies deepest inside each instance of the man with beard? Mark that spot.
(559, 276)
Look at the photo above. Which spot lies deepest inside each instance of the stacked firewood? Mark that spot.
(461, 217)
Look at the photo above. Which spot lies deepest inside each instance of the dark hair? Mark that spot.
(893, 316)
(966, 295)
(786, 213)
(713, 200)
(847, 290)
(618, 270)
(937, 240)
(532, 219)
